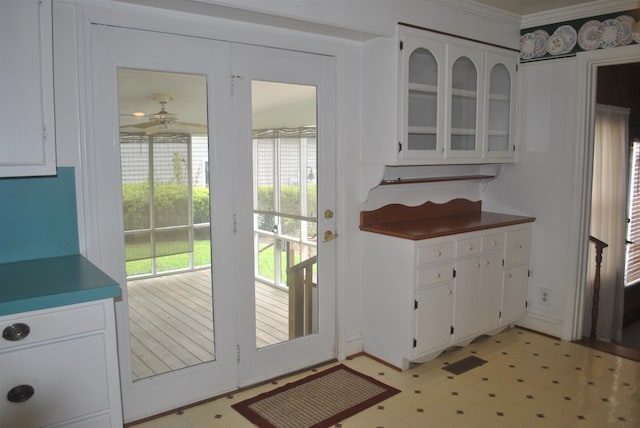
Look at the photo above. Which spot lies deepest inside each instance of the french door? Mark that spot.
(294, 138)
(207, 165)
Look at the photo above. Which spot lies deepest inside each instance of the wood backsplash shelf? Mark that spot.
(431, 220)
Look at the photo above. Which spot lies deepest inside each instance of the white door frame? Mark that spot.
(587, 65)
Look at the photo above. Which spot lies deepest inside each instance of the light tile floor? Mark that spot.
(529, 380)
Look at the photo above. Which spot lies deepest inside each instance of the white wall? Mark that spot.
(541, 183)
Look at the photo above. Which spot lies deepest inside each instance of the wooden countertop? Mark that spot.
(434, 220)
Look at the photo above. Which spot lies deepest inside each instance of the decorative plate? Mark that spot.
(528, 46)
(636, 32)
(570, 37)
(556, 44)
(589, 35)
(627, 22)
(541, 45)
(610, 34)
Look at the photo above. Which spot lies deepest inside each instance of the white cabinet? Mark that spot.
(516, 273)
(27, 134)
(457, 101)
(59, 367)
(423, 296)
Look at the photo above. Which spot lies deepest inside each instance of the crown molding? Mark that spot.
(585, 10)
(480, 9)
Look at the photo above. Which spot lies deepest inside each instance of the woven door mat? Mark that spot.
(319, 400)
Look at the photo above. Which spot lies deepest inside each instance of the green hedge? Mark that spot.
(289, 204)
(170, 205)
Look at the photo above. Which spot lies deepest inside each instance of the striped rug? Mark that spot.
(319, 400)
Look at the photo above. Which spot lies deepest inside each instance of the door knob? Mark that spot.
(328, 214)
(329, 236)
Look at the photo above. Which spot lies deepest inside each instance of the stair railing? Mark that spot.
(596, 285)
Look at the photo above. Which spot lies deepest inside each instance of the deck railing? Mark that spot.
(301, 285)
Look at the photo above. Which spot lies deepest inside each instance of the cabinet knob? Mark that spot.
(20, 393)
(15, 332)
(438, 253)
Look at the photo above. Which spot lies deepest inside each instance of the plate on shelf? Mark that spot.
(528, 46)
(541, 42)
(589, 35)
(556, 44)
(610, 34)
(570, 37)
(636, 32)
(627, 23)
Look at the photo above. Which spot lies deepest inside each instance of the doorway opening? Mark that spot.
(620, 291)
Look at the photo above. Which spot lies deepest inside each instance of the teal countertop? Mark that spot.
(50, 282)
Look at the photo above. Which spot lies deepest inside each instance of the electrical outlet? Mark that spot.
(545, 296)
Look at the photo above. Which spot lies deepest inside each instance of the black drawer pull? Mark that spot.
(20, 393)
(16, 332)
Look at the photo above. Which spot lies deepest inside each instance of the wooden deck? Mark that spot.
(171, 321)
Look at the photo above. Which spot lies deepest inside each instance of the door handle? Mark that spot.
(329, 236)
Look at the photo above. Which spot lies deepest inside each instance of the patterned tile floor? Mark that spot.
(529, 380)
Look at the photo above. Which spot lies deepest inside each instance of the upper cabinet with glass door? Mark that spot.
(457, 101)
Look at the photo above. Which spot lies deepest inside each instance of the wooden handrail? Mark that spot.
(300, 284)
(600, 246)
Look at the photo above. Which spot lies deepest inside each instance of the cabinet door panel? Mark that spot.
(489, 297)
(466, 297)
(433, 318)
(514, 293)
(27, 135)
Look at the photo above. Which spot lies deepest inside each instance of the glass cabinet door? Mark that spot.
(500, 120)
(466, 77)
(423, 98)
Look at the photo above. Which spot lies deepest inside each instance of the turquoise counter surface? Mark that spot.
(50, 282)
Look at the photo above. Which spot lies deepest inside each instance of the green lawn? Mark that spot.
(202, 257)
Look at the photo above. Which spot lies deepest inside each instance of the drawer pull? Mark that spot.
(16, 332)
(20, 393)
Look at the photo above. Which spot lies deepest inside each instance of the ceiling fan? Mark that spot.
(161, 121)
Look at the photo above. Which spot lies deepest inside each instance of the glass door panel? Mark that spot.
(284, 210)
(464, 94)
(499, 109)
(166, 211)
(423, 101)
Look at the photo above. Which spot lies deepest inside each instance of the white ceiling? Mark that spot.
(526, 7)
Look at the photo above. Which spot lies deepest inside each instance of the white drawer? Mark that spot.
(468, 247)
(494, 241)
(435, 274)
(53, 323)
(69, 380)
(435, 253)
